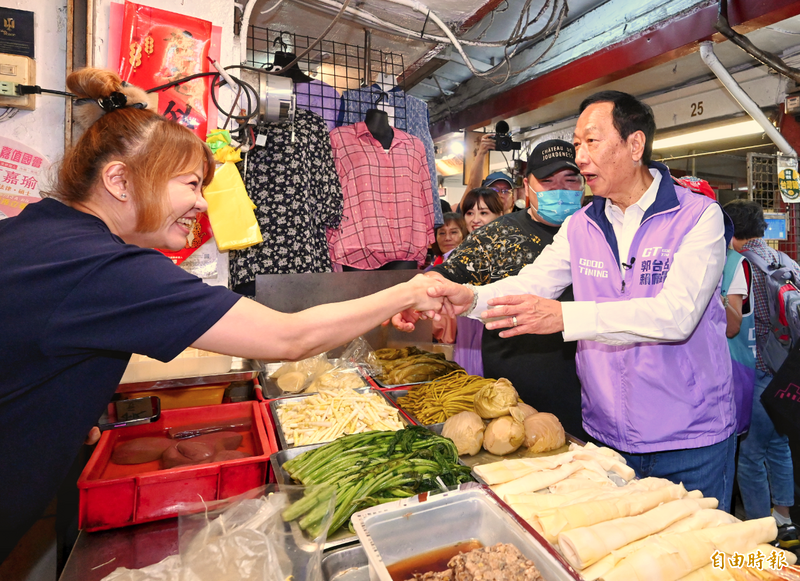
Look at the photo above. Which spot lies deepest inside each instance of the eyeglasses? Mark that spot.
(500, 190)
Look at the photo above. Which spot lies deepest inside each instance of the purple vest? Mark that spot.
(649, 397)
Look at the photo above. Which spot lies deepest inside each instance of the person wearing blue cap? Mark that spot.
(503, 185)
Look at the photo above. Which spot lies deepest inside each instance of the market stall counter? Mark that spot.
(98, 554)
(558, 508)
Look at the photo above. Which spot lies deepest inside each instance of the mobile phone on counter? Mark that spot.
(130, 412)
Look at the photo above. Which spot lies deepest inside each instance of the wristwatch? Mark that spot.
(725, 301)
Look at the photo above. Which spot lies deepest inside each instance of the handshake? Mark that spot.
(434, 297)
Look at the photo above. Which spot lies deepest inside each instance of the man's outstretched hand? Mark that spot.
(532, 314)
(456, 299)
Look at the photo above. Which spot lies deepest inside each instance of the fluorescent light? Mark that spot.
(739, 129)
(457, 146)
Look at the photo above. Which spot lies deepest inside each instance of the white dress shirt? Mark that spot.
(672, 315)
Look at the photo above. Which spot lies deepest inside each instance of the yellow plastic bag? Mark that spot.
(231, 211)
(227, 153)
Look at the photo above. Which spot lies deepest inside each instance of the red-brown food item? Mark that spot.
(220, 440)
(229, 455)
(196, 451)
(172, 457)
(140, 450)
(501, 562)
(203, 449)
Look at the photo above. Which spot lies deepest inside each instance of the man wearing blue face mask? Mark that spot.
(553, 183)
(533, 363)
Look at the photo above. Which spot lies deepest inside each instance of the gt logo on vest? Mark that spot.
(654, 251)
(592, 268)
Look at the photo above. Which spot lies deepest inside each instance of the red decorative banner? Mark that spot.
(159, 47)
(200, 234)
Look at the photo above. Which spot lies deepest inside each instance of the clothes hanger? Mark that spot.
(282, 58)
(377, 122)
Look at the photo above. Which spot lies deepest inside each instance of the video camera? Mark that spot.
(502, 140)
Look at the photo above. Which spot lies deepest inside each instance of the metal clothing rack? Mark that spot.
(345, 67)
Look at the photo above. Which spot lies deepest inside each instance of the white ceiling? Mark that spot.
(782, 39)
(309, 18)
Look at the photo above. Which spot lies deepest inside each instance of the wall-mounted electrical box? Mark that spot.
(16, 70)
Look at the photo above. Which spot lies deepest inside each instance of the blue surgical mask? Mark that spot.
(556, 205)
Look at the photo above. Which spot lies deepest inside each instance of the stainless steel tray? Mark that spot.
(241, 370)
(380, 384)
(393, 396)
(270, 388)
(484, 457)
(275, 404)
(345, 564)
(395, 531)
(343, 536)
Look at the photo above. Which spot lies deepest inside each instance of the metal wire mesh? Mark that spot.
(348, 68)
(762, 186)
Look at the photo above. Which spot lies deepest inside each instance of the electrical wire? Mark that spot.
(271, 9)
(233, 107)
(242, 88)
(311, 46)
(516, 39)
(9, 113)
(781, 30)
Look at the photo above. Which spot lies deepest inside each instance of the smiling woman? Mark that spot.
(481, 206)
(94, 290)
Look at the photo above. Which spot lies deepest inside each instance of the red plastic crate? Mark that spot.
(112, 495)
(269, 422)
(272, 435)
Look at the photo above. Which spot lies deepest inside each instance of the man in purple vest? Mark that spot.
(645, 259)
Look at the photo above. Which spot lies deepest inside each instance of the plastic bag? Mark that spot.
(296, 376)
(231, 211)
(347, 370)
(360, 355)
(270, 533)
(318, 372)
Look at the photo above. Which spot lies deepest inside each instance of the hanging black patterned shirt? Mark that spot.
(297, 194)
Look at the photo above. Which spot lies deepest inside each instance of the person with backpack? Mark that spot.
(765, 476)
(738, 300)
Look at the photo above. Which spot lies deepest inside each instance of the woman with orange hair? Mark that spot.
(88, 290)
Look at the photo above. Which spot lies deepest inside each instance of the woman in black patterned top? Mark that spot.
(541, 367)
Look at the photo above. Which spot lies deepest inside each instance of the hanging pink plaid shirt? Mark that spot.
(387, 199)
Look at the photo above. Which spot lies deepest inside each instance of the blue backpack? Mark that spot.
(783, 298)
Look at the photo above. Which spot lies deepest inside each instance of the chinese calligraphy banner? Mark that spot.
(159, 47)
(22, 170)
(11, 205)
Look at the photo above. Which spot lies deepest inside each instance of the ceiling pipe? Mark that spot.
(244, 31)
(744, 100)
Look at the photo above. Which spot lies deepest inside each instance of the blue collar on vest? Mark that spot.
(666, 199)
